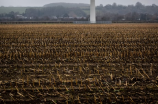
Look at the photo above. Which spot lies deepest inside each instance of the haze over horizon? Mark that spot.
(39, 3)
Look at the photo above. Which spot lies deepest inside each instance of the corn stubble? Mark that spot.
(83, 64)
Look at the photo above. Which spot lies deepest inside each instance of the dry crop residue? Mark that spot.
(87, 64)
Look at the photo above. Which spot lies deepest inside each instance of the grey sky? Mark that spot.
(43, 2)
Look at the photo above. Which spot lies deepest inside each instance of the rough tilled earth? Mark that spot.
(79, 64)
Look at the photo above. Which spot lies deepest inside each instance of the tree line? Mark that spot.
(135, 12)
(114, 12)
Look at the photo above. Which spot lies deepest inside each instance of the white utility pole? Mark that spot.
(92, 12)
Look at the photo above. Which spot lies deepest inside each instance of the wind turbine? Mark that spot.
(92, 12)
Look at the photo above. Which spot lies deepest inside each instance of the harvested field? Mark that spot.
(79, 64)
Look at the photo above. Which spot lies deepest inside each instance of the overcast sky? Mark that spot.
(43, 2)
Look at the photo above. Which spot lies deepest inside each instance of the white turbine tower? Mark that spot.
(92, 12)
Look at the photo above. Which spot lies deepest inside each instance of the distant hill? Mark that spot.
(58, 11)
(21, 10)
(69, 5)
(15, 9)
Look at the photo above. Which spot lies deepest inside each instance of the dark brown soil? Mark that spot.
(79, 64)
